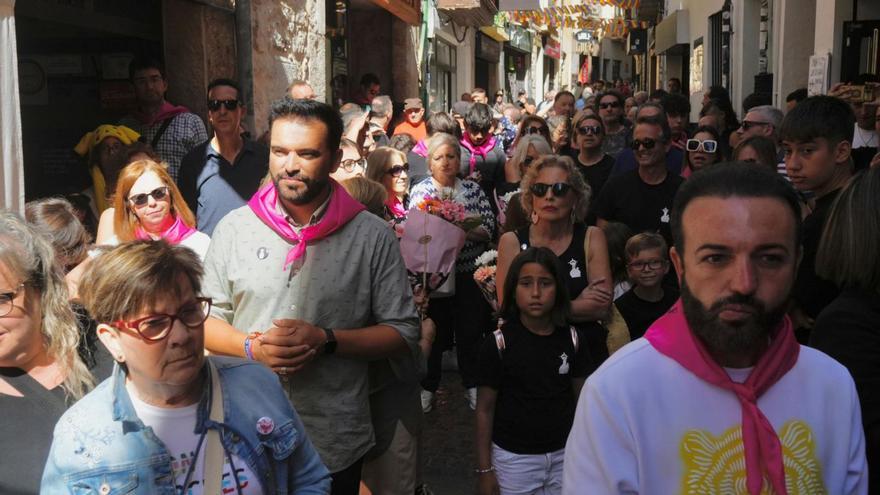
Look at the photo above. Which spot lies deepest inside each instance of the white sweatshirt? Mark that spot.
(646, 425)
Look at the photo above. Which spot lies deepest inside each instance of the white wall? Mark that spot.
(830, 15)
(794, 21)
(698, 26)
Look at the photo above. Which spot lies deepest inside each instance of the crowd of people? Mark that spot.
(680, 306)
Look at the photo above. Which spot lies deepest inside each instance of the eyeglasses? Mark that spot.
(708, 145)
(651, 265)
(141, 199)
(534, 129)
(350, 164)
(214, 105)
(527, 161)
(647, 143)
(156, 327)
(6, 299)
(613, 104)
(589, 129)
(398, 170)
(748, 124)
(559, 189)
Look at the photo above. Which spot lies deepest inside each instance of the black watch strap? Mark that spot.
(330, 345)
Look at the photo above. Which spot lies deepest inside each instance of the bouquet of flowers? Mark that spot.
(430, 246)
(485, 277)
(448, 209)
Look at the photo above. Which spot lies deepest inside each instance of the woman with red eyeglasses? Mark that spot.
(556, 199)
(701, 150)
(148, 205)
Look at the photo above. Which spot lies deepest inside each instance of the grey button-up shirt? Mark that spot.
(353, 278)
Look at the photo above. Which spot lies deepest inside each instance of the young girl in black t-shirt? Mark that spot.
(531, 371)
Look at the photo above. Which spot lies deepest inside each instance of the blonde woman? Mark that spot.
(148, 205)
(555, 198)
(41, 373)
(529, 149)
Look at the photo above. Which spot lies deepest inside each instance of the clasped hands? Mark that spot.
(289, 345)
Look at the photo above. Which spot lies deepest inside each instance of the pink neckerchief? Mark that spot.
(341, 209)
(395, 206)
(481, 150)
(167, 110)
(175, 234)
(421, 148)
(672, 336)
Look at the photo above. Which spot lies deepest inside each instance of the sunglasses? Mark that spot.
(534, 129)
(398, 170)
(589, 129)
(156, 327)
(559, 189)
(613, 104)
(647, 143)
(527, 161)
(158, 194)
(349, 165)
(214, 105)
(709, 145)
(748, 124)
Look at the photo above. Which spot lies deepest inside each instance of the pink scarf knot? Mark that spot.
(175, 234)
(421, 149)
(167, 111)
(481, 150)
(395, 206)
(341, 209)
(671, 336)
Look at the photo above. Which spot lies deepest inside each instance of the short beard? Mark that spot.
(313, 188)
(724, 339)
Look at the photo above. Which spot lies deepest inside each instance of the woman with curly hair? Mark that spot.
(41, 374)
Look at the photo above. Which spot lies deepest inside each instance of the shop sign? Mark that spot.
(552, 49)
(583, 36)
(520, 38)
(637, 41)
(487, 49)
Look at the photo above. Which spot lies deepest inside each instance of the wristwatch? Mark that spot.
(330, 344)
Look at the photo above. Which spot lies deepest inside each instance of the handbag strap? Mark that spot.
(158, 136)
(213, 472)
(33, 390)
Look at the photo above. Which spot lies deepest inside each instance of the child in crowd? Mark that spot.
(530, 375)
(647, 263)
(616, 235)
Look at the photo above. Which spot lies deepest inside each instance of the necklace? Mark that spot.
(872, 136)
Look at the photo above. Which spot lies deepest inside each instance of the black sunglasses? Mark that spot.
(214, 105)
(397, 170)
(534, 129)
(559, 189)
(748, 124)
(613, 104)
(589, 129)
(527, 161)
(158, 194)
(647, 143)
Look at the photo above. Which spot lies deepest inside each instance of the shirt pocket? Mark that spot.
(281, 442)
(106, 483)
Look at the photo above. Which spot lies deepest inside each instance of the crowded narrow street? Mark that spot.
(440, 247)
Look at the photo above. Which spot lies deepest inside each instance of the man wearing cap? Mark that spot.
(414, 123)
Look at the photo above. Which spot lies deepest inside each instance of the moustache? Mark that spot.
(740, 300)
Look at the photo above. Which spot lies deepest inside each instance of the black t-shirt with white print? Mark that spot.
(626, 198)
(533, 376)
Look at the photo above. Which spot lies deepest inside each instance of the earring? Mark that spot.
(534, 217)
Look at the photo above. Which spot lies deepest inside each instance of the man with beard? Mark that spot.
(306, 281)
(718, 397)
(172, 131)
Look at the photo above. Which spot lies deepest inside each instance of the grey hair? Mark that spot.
(443, 139)
(542, 147)
(382, 106)
(773, 115)
(28, 254)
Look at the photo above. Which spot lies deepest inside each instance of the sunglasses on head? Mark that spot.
(559, 189)
(533, 129)
(613, 104)
(397, 170)
(214, 105)
(709, 145)
(158, 194)
(586, 130)
(647, 143)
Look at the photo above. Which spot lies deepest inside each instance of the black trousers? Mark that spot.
(467, 317)
(347, 481)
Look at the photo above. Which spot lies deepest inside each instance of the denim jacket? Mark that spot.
(101, 446)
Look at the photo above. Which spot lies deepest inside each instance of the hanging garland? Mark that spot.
(576, 16)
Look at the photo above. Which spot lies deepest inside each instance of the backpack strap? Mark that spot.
(575, 340)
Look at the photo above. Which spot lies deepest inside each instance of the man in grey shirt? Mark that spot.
(315, 314)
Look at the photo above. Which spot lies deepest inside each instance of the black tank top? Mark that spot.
(573, 259)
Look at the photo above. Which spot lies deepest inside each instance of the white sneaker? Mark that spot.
(471, 396)
(427, 401)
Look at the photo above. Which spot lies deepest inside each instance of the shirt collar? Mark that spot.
(315, 218)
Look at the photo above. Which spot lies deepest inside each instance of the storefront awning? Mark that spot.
(672, 31)
(408, 11)
(497, 33)
(11, 161)
(474, 13)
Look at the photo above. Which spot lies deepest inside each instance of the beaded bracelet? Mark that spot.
(248, 345)
(484, 471)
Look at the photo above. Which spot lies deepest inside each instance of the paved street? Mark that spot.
(448, 441)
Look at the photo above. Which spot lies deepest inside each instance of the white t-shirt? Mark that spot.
(198, 242)
(174, 427)
(646, 425)
(864, 138)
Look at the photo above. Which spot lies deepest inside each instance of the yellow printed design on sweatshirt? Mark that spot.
(717, 464)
